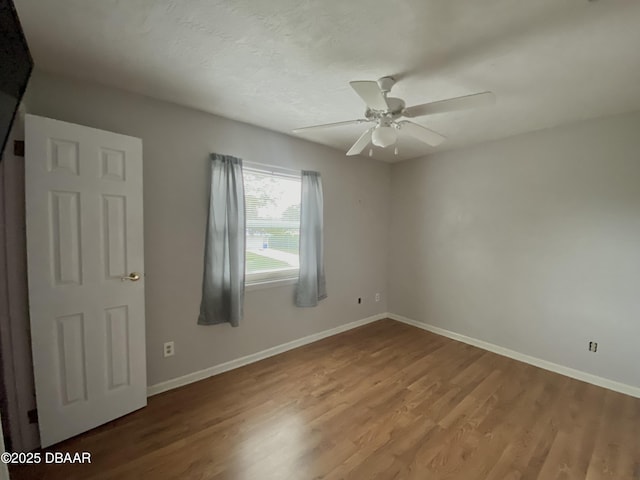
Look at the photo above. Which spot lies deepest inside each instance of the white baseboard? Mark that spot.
(270, 352)
(538, 362)
(255, 357)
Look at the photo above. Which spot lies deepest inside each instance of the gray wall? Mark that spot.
(531, 243)
(176, 143)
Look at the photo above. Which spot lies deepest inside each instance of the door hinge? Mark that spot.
(18, 148)
(33, 415)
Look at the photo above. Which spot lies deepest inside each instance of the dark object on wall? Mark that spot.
(16, 65)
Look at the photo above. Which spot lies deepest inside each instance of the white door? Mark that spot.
(86, 282)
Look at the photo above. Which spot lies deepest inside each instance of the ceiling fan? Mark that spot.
(384, 112)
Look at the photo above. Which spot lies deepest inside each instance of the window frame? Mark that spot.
(285, 276)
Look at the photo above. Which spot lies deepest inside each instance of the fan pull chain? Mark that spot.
(371, 152)
(395, 152)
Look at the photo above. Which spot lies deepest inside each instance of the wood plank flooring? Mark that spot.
(384, 401)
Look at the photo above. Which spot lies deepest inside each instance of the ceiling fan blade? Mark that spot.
(370, 92)
(361, 143)
(451, 104)
(329, 125)
(421, 133)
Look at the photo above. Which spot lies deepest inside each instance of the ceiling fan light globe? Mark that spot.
(384, 136)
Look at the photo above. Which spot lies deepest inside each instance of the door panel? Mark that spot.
(117, 319)
(114, 227)
(71, 348)
(84, 234)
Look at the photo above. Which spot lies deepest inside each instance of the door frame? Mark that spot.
(14, 317)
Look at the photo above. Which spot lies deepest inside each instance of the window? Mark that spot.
(272, 202)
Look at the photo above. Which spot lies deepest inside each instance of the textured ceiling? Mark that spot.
(282, 64)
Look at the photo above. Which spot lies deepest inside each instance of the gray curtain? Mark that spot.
(311, 282)
(223, 282)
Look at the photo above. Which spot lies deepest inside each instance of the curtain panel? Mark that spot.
(311, 282)
(224, 272)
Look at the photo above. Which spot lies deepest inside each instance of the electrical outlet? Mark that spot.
(169, 349)
(377, 297)
(593, 346)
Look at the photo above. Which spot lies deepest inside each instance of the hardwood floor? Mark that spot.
(384, 401)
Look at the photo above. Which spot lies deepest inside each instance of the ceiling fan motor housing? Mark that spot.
(396, 105)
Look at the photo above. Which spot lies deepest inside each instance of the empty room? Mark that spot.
(271, 240)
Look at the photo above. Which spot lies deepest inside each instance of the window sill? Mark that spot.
(261, 284)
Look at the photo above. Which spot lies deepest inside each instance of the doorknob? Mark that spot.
(133, 276)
